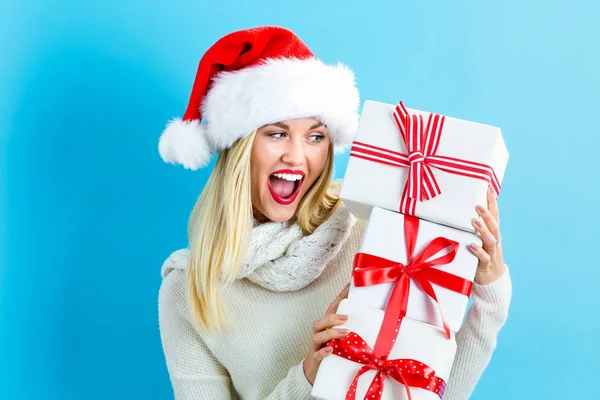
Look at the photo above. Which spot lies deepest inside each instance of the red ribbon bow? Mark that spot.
(411, 373)
(422, 142)
(372, 270)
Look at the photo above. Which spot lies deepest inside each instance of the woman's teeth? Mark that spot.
(289, 177)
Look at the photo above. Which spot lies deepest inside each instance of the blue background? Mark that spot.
(88, 211)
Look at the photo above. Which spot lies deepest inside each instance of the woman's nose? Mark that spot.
(294, 153)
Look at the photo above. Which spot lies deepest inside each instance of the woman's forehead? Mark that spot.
(308, 122)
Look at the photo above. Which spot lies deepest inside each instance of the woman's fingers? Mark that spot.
(328, 321)
(318, 356)
(324, 330)
(321, 327)
(320, 338)
(489, 223)
(493, 204)
(336, 302)
(489, 240)
(483, 256)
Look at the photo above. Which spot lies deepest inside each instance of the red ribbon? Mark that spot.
(411, 373)
(372, 270)
(422, 142)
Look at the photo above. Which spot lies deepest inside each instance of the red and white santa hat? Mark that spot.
(254, 77)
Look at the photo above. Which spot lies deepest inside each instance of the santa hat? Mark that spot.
(252, 78)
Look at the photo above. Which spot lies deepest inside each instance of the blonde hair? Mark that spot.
(221, 223)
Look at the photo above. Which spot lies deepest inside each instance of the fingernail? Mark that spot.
(477, 222)
(343, 317)
(473, 246)
(342, 331)
(493, 192)
(328, 349)
(481, 209)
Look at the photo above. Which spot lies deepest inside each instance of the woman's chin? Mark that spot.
(279, 212)
(281, 218)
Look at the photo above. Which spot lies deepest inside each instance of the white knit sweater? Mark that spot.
(261, 357)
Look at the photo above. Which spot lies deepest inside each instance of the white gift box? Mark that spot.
(417, 341)
(384, 237)
(368, 183)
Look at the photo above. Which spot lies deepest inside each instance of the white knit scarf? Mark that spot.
(281, 257)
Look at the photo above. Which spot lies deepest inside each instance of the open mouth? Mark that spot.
(285, 185)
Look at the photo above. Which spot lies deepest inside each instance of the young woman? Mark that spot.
(247, 310)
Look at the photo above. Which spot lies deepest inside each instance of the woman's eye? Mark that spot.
(316, 138)
(277, 135)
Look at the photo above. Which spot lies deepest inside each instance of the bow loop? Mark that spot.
(371, 270)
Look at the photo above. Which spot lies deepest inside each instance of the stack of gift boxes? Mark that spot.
(416, 177)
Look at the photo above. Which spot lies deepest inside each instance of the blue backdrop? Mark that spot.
(88, 211)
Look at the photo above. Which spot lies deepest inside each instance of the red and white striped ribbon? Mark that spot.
(422, 142)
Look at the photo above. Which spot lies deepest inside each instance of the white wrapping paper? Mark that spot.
(368, 183)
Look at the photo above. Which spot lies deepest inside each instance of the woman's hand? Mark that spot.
(491, 263)
(323, 331)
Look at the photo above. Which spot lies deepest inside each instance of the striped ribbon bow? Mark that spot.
(422, 142)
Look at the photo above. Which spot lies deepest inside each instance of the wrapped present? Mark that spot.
(416, 368)
(426, 165)
(423, 270)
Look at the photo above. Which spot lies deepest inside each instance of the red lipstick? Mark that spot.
(288, 200)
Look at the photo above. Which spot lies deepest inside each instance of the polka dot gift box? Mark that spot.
(439, 254)
(418, 163)
(422, 357)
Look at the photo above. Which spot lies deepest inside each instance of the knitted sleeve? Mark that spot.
(293, 387)
(477, 337)
(194, 371)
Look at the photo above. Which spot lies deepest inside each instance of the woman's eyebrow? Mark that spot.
(285, 126)
(281, 125)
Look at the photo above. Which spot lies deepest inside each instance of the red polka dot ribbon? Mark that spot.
(422, 142)
(372, 270)
(411, 373)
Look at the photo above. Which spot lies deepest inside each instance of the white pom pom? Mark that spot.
(184, 142)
